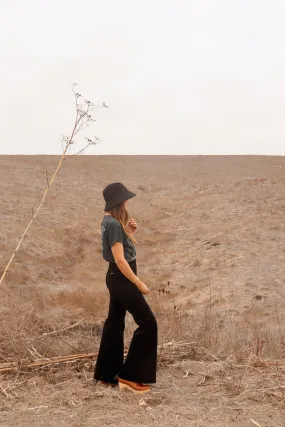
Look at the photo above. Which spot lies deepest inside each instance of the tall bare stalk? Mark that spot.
(82, 119)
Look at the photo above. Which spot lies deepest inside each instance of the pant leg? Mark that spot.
(111, 352)
(140, 364)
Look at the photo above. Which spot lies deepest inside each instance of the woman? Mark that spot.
(126, 294)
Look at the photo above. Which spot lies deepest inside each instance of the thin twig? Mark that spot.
(80, 151)
(4, 391)
(71, 346)
(47, 177)
(82, 116)
(61, 330)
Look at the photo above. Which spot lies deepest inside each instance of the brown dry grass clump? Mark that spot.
(77, 320)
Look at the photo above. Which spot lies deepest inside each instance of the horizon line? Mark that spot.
(153, 154)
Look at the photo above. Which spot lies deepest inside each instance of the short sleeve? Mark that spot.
(115, 234)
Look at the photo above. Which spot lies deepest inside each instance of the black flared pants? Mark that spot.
(140, 363)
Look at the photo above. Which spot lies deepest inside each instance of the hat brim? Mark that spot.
(117, 201)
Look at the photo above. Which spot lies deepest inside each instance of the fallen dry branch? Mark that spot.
(168, 353)
(38, 363)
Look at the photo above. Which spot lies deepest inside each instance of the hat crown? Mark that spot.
(115, 194)
(114, 190)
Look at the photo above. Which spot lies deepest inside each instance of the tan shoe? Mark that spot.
(135, 388)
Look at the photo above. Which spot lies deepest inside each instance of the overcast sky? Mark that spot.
(180, 76)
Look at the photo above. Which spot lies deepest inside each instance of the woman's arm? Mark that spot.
(124, 267)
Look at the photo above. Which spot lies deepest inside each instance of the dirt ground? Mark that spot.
(224, 397)
(210, 229)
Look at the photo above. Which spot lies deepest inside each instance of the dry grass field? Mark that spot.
(211, 246)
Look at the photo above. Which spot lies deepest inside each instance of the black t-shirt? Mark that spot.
(113, 232)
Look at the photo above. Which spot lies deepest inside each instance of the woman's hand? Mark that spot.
(133, 225)
(142, 287)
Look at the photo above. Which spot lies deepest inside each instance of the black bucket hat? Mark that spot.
(115, 194)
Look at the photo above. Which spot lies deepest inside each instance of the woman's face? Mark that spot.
(126, 202)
